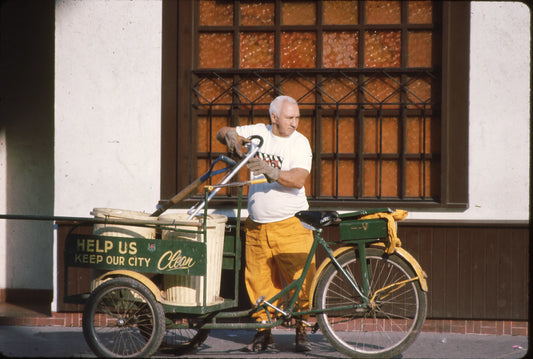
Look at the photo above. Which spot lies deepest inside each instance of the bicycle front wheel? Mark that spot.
(123, 319)
(387, 326)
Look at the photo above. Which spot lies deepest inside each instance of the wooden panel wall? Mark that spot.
(79, 279)
(474, 271)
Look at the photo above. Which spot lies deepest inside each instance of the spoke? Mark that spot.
(346, 298)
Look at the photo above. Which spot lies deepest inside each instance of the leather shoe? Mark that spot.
(262, 341)
(301, 340)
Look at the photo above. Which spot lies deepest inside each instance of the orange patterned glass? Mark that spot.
(298, 13)
(416, 182)
(305, 127)
(214, 91)
(327, 178)
(389, 178)
(384, 134)
(390, 129)
(253, 13)
(257, 50)
(422, 135)
(216, 50)
(329, 137)
(348, 177)
(348, 171)
(371, 176)
(340, 12)
(420, 12)
(340, 49)
(302, 90)
(419, 91)
(419, 52)
(340, 89)
(255, 90)
(382, 49)
(216, 12)
(371, 144)
(347, 135)
(346, 138)
(298, 50)
(383, 12)
(207, 134)
(384, 90)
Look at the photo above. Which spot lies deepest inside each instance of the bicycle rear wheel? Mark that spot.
(382, 330)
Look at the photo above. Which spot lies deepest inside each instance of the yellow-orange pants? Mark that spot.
(272, 250)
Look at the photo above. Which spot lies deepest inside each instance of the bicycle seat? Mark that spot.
(318, 218)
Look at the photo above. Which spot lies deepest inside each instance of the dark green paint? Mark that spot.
(137, 254)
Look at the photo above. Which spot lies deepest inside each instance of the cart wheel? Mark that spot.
(123, 319)
(183, 335)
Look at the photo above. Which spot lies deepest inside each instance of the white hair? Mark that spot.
(275, 105)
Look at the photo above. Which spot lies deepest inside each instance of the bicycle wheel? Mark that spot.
(123, 319)
(386, 327)
(183, 340)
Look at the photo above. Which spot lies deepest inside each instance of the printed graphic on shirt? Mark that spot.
(272, 160)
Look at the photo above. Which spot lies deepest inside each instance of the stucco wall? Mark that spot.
(107, 105)
(499, 118)
(500, 110)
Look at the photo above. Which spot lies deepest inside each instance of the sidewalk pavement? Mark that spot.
(20, 341)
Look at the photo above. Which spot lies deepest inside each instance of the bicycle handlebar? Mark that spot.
(252, 150)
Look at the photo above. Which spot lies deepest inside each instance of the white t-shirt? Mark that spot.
(272, 202)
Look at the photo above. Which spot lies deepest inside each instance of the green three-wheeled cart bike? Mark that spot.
(157, 278)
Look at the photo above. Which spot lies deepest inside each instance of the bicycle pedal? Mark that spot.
(306, 323)
(314, 328)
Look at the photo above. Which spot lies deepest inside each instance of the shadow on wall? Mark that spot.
(27, 118)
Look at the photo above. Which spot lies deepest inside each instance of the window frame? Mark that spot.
(177, 66)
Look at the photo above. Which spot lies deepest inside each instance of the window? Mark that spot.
(373, 80)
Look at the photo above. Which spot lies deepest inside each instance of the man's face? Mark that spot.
(288, 119)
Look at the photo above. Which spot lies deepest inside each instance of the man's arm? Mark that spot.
(294, 177)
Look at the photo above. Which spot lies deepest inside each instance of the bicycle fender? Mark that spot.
(137, 276)
(400, 251)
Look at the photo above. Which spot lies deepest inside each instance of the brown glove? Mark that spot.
(257, 165)
(234, 142)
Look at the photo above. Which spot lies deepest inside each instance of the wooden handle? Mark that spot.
(178, 197)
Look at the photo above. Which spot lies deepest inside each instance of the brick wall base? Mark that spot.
(487, 327)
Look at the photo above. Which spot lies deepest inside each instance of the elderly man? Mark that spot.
(276, 241)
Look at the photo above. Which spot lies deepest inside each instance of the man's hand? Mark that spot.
(257, 165)
(234, 142)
